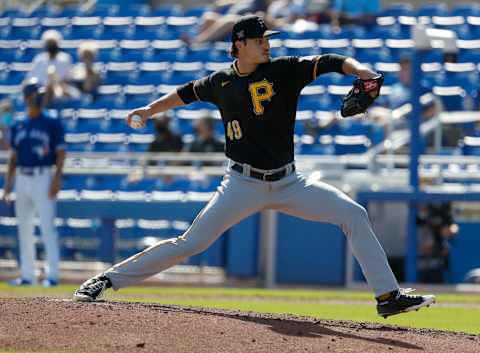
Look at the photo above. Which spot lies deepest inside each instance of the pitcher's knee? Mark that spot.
(358, 211)
(189, 246)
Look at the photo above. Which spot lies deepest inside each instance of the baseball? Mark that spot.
(136, 121)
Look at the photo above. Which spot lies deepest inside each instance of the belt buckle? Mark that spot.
(266, 174)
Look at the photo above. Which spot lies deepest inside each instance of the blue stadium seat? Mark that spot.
(167, 10)
(165, 50)
(351, 144)
(25, 28)
(322, 146)
(4, 27)
(85, 28)
(370, 51)
(133, 50)
(399, 48)
(110, 142)
(398, 9)
(90, 120)
(57, 23)
(107, 182)
(205, 184)
(151, 28)
(469, 55)
(28, 51)
(470, 145)
(139, 95)
(196, 11)
(433, 9)
(182, 25)
(453, 98)
(74, 182)
(147, 185)
(120, 73)
(133, 10)
(194, 53)
(462, 74)
(152, 72)
(79, 240)
(17, 72)
(108, 97)
(301, 47)
(107, 50)
(8, 236)
(9, 49)
(10, 91)
(186, 71)
(349, 127)
(173, 184)
(139, 142)
(118, 28)
(311, 98)
(466, 9)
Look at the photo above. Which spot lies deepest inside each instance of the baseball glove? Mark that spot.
(361, 96)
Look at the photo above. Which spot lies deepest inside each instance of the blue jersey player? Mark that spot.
(36, 164)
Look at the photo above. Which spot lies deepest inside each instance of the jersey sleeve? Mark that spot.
(304, 70)
(204, 89)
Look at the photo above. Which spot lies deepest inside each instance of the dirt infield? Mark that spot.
(45, 324)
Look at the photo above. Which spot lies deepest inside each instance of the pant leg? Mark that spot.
(317, 201)
(24, 210)
(236, 199)
(46, 210)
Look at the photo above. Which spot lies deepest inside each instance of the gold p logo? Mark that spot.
(260, 91)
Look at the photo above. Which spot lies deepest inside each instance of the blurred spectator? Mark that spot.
(165, 139)
(401, 91)
(52, 68)
(6, 121)
(436, 228)
(205, 140)
(358, 12)
(218, 23)
(287, 11)
(85, 76)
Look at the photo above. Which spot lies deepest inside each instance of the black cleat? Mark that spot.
(401, 302)
(92, 289)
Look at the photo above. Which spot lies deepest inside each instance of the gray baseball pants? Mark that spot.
(240, 196)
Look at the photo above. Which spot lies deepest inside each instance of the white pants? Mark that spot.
(32, 198)
(239, 196)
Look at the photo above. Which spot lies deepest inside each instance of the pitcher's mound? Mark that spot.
(43, 325)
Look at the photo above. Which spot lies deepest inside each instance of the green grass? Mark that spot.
(317, 303)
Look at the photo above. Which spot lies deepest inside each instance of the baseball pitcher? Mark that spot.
(257, 98)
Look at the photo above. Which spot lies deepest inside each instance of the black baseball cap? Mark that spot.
(250, 27)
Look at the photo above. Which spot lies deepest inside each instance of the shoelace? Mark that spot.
(91, 289)
(406, 291)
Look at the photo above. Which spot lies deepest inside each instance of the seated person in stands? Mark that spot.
(277, 13)
(205, 140)
(436, 228)
(52, 68)
(85, 77)
(216, 24)
(400, 93)
(357, 12)
(6, 121)
(165, 139)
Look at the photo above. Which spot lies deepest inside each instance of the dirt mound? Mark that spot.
(44, 324)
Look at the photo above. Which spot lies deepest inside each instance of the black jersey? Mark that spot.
(258, 109)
